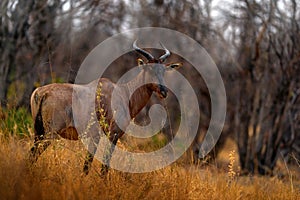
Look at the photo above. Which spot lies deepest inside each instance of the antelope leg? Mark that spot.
(92, 148)
(39, 146)
(109, 151)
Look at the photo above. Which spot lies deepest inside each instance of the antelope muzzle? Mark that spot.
(163, 91)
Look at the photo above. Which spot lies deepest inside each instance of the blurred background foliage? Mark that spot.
(254, 43)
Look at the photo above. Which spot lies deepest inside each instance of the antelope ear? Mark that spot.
(173, 66)
(140, 62)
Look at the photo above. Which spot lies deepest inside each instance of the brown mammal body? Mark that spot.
(52, 109)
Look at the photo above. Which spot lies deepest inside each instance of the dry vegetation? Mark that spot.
(58, 175)
(254, 43)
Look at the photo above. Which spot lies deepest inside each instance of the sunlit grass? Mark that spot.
(58, 175)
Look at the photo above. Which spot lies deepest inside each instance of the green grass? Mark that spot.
(16, 122)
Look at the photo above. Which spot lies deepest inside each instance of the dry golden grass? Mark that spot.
(58, 175)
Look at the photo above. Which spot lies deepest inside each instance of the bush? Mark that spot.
(15, 121)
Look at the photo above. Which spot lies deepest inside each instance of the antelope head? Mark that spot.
(154, 69)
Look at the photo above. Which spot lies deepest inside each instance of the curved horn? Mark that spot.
(143, 52)
(166, 55)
